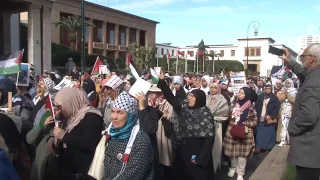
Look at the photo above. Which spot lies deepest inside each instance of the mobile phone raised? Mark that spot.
(276, 51)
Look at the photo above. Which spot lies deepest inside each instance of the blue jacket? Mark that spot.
(7, 171)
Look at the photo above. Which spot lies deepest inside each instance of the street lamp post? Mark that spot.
(82, 35)
(256, 25)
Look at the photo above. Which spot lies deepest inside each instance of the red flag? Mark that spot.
(19, 58)
(287, 69)
(168, 54)
(96, 66)
(200, 52)
(181, 53)
(190, 53)
(128, 59)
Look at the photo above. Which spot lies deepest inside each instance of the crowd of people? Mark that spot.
(185, 127)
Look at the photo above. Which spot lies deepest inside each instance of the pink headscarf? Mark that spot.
(76, 103)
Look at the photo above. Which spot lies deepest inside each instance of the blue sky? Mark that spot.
(186, 22)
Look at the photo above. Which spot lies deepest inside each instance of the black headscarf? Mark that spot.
(200, 98)
(267, 96)
(181, 94)
(250, 95)
(6, 85)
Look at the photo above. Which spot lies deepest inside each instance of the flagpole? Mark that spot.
(197, 63)
(186, 64)
(194, 65)
(168, 63)
(213, 63)
(94, 64)
(177, 63)
(203, 61)
(157, 60)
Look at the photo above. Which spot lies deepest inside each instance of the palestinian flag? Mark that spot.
(10, 63)
(44, 112)
(154, 76)
(95, 70)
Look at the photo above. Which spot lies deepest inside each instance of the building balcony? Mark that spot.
(123, 48)
(98, 45)
(112, 47)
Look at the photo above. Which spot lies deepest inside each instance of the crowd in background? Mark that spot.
(185, 127)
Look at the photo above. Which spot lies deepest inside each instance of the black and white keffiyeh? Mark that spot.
(127, 103)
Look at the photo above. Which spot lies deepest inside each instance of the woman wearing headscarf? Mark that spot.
(289, 87)
(45, 87)
(128, 152)
(219, 108)
(195, 134)
(287, 97)
(239, 150)
(81, 136)
(267, 107)
(205, 82)
(278, 86)
(129, 83)
(178, 91)
(149, 116)
(165, 133)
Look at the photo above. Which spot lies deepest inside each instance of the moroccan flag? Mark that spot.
(181, 53)
(154, 76)
(95, 70)
(190, 53)
(168, 55)
(10, 63)
(44, 112)
(200, 52)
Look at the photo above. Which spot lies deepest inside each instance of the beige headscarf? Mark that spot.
(76, 103)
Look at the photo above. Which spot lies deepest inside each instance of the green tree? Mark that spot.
(143, 56)
(73, 25)
(201, 48)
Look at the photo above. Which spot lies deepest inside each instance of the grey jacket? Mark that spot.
(38, 137)
(304, 125)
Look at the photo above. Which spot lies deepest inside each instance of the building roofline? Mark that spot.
(266, 38)
(122, 12)
(214, 45)
(166, 45)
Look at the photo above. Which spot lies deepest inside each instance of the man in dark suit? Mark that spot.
(304, 125)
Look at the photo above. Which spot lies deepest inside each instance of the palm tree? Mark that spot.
(73, 24)
(202, 48)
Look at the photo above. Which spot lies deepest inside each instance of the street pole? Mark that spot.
(255, 33)
(213, 64)
(82, 35)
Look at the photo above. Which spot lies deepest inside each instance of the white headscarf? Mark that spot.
(292, 91)
(208, 80)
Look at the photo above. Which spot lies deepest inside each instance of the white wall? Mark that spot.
(165, 50)
(266, 59)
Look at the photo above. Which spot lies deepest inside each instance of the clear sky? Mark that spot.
(186, 22)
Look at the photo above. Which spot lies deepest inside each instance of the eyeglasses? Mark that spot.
(305, 55)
